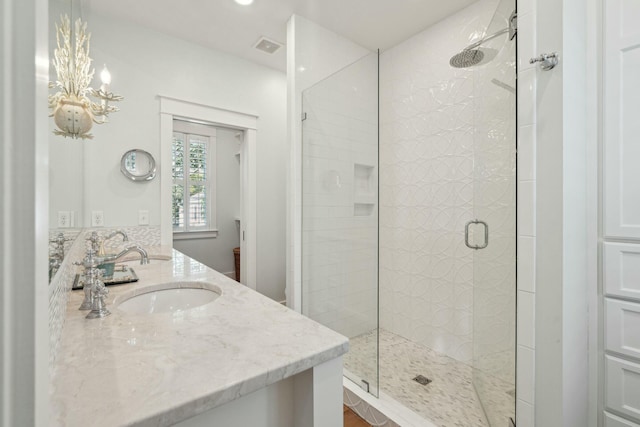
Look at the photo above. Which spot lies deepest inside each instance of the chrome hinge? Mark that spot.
(513, 25)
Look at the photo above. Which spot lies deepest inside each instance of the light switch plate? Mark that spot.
(143, 217)
(97, 219)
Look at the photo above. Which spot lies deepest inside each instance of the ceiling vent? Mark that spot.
(267, 45)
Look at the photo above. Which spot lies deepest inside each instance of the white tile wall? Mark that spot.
(313, 54)
(526, 154)
(339, 196)
(525, 374)
(526, 266)
(524, 413)
(526, 213)
(526, 308)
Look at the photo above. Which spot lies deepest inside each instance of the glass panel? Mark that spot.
(197, 206)
(494, 268)
(177, 207)
(340, 212)
(177, 156)
(198, 158)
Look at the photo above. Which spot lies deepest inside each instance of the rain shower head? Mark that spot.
(466, 58)
(474, 54)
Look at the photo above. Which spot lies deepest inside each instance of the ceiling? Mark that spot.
(229, 27)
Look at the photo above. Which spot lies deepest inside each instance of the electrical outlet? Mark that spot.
(64, 221)
(72, 219)
(143, 217)
(97, 219)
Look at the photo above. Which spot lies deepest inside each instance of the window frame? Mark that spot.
(188, 127)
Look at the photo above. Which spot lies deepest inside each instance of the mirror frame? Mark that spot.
(148, 176)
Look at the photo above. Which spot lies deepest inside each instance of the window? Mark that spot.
(193, 170)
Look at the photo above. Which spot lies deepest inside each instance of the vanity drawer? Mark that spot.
(622, 269)
(611, 420)
(622, 389)
(622, 327)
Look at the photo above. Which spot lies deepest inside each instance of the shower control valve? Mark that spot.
(547, 60)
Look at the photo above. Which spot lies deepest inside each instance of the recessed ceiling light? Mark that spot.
(244, 2)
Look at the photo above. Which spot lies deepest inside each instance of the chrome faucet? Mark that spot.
(125, 238)
(97, 240)
(144, 256)
(56, 256)
(94, 288)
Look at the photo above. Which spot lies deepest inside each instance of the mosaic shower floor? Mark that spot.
(448, 401)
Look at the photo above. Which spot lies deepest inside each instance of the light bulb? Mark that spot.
(105, 76)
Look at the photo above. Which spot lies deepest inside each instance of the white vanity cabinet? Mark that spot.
(239, 360)
(622, 333)
(621, 212)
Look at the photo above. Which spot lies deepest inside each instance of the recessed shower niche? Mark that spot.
(364, 190)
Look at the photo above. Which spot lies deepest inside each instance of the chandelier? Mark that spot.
(71, 108)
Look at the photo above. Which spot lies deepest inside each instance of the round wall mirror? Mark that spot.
(138, 165)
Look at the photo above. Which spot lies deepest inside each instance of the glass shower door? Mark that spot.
(494, 267)
(340, 212)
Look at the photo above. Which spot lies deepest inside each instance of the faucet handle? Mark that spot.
(90, 260)
(95, 240)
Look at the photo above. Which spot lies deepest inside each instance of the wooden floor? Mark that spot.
(351, 419)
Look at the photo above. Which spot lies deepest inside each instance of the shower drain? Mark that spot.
(421, 379)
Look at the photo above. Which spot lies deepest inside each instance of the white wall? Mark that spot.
(426, 185)
(24, 380)
(65, 154)
(145, 64)
(217, 252)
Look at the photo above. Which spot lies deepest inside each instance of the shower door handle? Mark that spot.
(486, 234)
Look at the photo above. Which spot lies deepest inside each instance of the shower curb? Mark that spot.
(374, 410)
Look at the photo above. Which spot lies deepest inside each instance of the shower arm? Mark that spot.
(486, 39)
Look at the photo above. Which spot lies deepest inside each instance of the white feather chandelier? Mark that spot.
(71, 108)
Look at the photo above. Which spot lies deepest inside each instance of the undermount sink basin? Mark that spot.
(181, 297)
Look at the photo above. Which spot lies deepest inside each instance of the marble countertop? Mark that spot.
(159, 369)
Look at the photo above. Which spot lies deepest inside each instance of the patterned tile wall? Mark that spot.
(426, 185)
(60, 285)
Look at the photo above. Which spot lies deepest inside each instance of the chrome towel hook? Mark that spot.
(547, 60)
